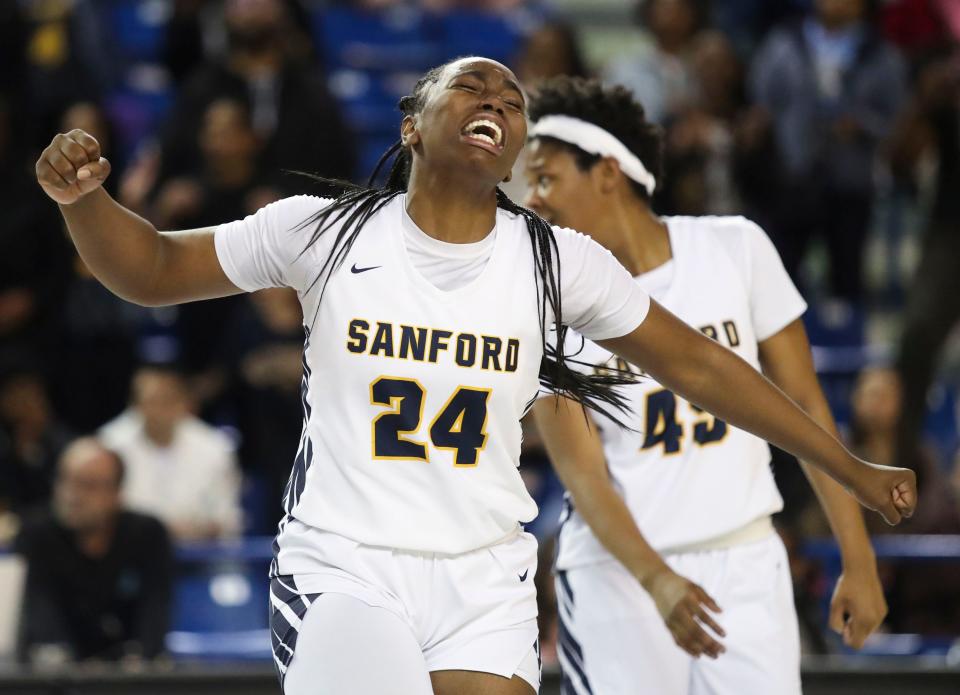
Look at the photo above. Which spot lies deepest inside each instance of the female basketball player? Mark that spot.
(700, 490)
(400, 565)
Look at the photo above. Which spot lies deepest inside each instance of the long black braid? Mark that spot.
(355, 205)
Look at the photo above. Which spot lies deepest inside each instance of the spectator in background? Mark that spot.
(94, 331)
(659, 76)
(285, 97)
(229, 186)
(699, 151)
(66, 59)
(195, 29)
(34, 254)
(31, 439)
(98, 577)
(96, 351)
(930, 127)
(262, 352)
(828, 89)
(549, 51)
(178, 468)
(877, 401)
(922, 598)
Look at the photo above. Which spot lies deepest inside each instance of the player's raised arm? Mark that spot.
(576, 453)
(123, 250)
(713, 377)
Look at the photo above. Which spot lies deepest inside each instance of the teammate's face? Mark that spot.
(559, 191)
(473, 118)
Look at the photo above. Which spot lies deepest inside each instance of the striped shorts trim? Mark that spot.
(569, 651)
(287, 609)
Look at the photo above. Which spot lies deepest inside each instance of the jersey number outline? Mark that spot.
(663, 427)
(460, 425)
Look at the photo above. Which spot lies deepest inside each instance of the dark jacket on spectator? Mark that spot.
(307, 133)
(96, 607)
(784, 81)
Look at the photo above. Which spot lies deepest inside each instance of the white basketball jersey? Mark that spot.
(686, 476)
(412, 395)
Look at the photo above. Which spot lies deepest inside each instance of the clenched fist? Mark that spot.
(71, 166)
(890, 491)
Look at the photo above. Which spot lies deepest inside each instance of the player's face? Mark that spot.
(474, 117)
(558, 190)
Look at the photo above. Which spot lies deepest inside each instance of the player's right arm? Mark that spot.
(123, 250)
(574, 448)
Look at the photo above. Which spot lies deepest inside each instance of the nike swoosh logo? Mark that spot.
(355, 269)
(523, 577)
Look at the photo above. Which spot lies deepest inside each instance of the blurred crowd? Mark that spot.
(835, 124)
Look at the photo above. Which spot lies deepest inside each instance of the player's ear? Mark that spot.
(409, 135)
(607, 175)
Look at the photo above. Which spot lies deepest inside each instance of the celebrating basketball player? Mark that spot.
(401, 566)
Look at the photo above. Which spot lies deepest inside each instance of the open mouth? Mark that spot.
(484, 131)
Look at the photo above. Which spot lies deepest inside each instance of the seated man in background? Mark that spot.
(98, 577)
(179, 468)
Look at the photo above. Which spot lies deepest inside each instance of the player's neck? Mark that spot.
(448, 212)
(643, 242)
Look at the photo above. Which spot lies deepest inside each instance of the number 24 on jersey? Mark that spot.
(460, 426)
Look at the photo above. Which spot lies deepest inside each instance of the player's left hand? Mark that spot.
(890, 491)
(858, 606)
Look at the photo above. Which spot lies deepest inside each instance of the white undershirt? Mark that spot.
(657, 281)
(447, 266)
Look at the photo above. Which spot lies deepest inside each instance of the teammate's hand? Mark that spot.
(890, 491)
(71, 167)
(683, 606)
(858, 606)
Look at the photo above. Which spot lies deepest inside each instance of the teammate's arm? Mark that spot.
(124, 251)
(858, 606)
(711, 376)
(574, 447)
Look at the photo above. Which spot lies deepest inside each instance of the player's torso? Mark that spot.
(686, 476)
(415, 396)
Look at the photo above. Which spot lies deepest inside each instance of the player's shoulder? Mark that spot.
(295, 208)
(724, 226)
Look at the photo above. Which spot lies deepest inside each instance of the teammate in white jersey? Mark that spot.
(672, 517)
(401, 566)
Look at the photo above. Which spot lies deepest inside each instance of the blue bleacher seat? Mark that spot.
(495, 35)
(394, 39)
(136, 27)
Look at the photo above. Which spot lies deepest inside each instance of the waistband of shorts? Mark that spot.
(751, 532)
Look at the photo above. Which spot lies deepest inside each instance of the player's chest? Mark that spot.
(381, 315)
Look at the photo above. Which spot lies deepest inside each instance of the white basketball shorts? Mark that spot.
(373, 621)
(612, 640)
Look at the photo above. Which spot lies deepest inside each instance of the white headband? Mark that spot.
(595, 140)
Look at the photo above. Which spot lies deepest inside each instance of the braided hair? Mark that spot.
(355, 205)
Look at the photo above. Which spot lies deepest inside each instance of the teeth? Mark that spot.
(489, 124)
(482, 138)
